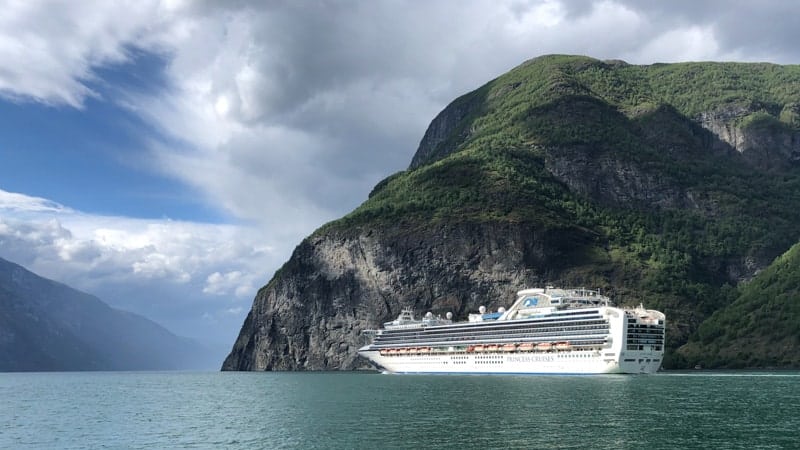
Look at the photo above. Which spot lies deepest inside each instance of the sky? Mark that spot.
(168, 155)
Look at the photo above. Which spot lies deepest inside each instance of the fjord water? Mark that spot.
(366, 410)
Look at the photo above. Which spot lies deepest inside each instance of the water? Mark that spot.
(361, 410)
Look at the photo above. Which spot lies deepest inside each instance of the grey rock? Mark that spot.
(765, 148)
(448, 129)
(311, 315)
(613, 181)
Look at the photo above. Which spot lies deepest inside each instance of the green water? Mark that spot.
(360, 410)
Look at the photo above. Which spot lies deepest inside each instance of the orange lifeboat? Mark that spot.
(525, 347)
(544, 346)
(492, 347)
(563, 346)
(479, 348)
(509, 347)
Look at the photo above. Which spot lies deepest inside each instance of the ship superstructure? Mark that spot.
(546, 330)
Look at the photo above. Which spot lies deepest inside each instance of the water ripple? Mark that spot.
(736, 410)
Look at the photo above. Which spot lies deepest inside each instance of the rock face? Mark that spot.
(311, 315)
(448, 129)
(768, 145)
(612, 181)
(563, 171)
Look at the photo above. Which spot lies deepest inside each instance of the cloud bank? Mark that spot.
(176, 272)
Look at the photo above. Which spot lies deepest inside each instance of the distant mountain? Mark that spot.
(48, 326)
(667, 184)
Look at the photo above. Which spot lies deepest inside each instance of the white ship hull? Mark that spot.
(566, 363)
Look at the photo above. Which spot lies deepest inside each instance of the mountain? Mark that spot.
(48, 326)
(673, 185)
(760, 328)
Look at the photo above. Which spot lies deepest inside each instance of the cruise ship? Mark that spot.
(545, 331)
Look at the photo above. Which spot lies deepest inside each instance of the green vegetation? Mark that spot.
(675, 247)
(763, 120)
(760, 328)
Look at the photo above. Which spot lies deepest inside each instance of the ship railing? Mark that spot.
(575, 340)
(553, 347)
(539, 331)
(578, 317)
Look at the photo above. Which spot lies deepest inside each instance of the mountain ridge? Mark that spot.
(48, 326)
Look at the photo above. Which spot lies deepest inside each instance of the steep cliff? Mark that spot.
(761, 137)
(336, 285)
(653, 183)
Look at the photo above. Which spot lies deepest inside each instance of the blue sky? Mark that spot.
(168, 155)
(95, 158)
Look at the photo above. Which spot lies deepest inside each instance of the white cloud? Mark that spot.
(234, 311)
(56, 46)
(291, 129)
(12, 201)
(171, 271)
(531, 17)
(684, 44)
(235, 281)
